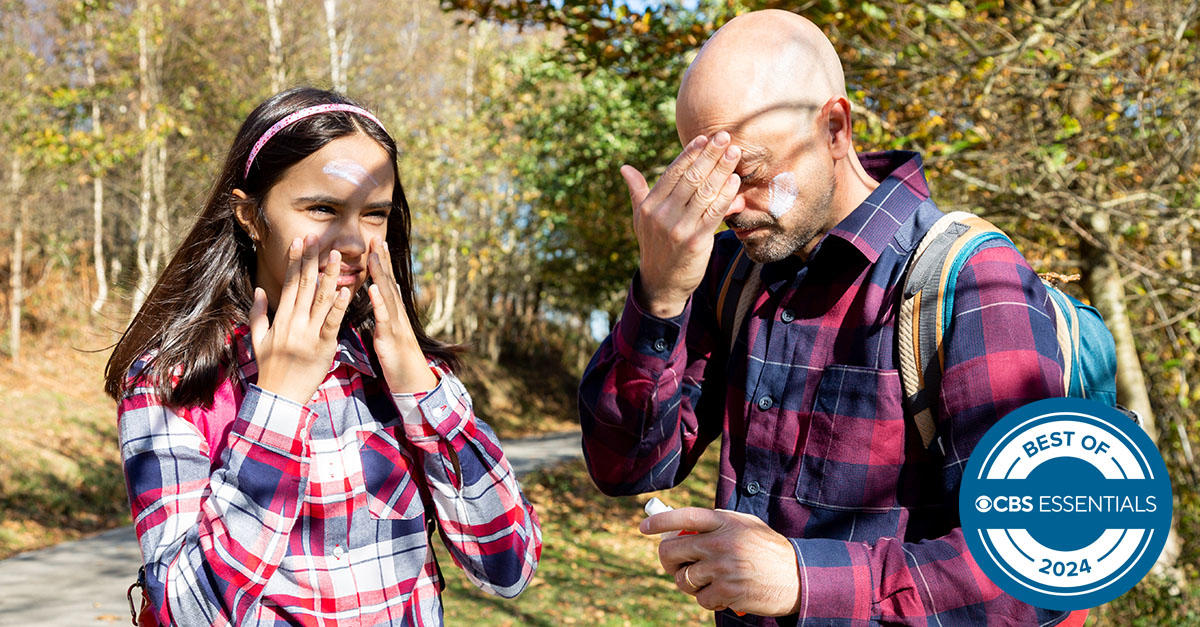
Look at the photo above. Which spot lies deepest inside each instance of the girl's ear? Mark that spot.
(246, 216)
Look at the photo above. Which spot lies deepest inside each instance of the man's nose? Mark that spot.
(738, 204)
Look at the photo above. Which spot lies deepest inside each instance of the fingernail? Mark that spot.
(296, 243)
(733, 178)
(721, 139)
(733, 153)
(699, 141)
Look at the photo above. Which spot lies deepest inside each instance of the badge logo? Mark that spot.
(1065, 504)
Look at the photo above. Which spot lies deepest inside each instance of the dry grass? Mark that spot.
(60, 473)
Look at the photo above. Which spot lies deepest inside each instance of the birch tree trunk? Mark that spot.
(160, 238)
(1107, 292)
(148, 153)
(97, 178)
(339, 51)
(275, 47)
(16, 280)
(443, 324)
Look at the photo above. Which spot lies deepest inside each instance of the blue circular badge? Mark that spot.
(1065, 504)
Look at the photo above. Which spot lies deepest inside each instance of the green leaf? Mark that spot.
(874, 12)
(939, 11)
(1070, 127)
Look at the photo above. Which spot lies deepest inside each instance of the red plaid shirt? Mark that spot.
(808, 406)
(261, 511)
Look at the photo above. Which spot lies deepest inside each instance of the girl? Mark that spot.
(290, 434)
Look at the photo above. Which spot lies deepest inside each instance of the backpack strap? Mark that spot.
(927, 306)
(1067, 329)
(739, 287)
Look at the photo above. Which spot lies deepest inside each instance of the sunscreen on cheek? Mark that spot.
(783, 194)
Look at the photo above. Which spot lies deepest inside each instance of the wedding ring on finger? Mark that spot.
(688, 579)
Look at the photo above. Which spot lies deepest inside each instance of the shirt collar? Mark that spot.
(875, 222)
(351, 351)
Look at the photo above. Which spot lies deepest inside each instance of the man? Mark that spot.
(830, 510)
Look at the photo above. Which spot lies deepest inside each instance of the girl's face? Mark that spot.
(340, 194)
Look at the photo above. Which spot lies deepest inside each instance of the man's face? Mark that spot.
(787, 184)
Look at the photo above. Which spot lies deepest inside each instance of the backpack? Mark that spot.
(1089, 352)
(1088, 349)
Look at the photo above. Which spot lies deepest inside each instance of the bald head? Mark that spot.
(765, 64)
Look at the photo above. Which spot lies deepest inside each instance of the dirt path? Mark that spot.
(84, 582)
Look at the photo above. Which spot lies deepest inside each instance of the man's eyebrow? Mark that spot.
(338, 202)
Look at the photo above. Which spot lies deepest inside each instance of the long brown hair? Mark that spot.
(208, 286)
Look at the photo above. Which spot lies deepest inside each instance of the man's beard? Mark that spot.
(779, 242)
(776, 243)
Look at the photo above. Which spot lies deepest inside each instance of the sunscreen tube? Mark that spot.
(655, 506)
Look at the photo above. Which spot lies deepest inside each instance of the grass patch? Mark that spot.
(596, 568)
(60, 467)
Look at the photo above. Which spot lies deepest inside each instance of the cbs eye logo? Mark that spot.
(1004, 504)
(1065, 504)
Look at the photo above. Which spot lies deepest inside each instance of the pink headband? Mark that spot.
(300, 115)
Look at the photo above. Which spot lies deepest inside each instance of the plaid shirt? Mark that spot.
(815, 441)
(261, 511)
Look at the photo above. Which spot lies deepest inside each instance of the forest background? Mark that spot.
(1073, 125)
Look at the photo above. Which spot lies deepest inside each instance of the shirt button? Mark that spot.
(787, 316)
(752, 488)
(765, 403)
(660, 345)
(338, 552)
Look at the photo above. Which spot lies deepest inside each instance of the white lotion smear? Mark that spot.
(783, 194)
(349, 171)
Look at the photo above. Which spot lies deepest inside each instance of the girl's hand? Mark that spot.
(404, 365)
(294, 351)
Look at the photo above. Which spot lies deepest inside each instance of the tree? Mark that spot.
(275, 43)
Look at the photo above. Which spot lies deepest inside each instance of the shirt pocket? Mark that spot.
(855, 445)
(387, 474)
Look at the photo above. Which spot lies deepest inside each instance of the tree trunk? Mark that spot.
(97, 178)
(275, 47)
(145, 275)
(1107, 292)
(160, 238)
(16, 280)
(339, 51)
(443, 323)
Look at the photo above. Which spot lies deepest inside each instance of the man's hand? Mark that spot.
(674, 222)
(735, 561)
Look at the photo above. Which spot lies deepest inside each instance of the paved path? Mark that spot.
(83, 582)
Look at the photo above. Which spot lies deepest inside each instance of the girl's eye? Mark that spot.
(322, 209)
(378, 216)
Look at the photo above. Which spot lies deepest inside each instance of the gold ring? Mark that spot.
(689, 579)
